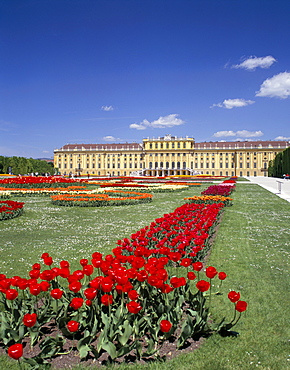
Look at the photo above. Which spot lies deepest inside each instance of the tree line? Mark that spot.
(280, 165)
(25, 166)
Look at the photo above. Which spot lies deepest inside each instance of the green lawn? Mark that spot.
(252, 246)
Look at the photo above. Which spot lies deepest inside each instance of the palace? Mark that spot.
(167, 156)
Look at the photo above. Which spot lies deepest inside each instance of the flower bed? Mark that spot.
(7, 192)
(227, 201)
(37, 182)
(155, 188)
(117, 198)
(10, 209)
(122, 185)
(124, 302)
(224, 190)
(186, 232)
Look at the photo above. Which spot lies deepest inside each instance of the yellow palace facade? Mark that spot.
(168, 156)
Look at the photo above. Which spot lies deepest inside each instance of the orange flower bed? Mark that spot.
(101, 199)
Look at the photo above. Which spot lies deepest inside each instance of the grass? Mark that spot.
(252, 246)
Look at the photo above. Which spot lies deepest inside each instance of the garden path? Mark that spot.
(278, 186)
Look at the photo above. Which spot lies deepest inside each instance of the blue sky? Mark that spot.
(96, 71)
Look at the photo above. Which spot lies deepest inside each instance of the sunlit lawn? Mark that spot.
(252, 246)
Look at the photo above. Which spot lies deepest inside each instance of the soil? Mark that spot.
(70, 358)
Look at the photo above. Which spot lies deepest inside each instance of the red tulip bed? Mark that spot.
(224, 189)
(38, 182)
(10, 209)
(152, 288)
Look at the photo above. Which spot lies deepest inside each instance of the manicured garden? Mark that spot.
(247, 243)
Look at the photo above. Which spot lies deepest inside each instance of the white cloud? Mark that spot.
(107, 108)
(282, 138)
(254, 62)
(110, 138)
(277, 86)
(162, 122)
(233, 103)
(224, 133)
(240, 133)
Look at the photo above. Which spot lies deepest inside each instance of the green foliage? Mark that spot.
(281, 164)
(22, 166)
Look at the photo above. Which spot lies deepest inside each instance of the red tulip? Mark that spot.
(22, 284)
(79, 274)
(203, 285)
(47, 275)
(44, 286)
(48, 261)
(234, 296)
(197, 266)
(165, 326)
(222, 275)
(133, 295)
(89, 302)
(11, 294)
(29, 320)
(64, 264)
(141, 275)
(75, 286)
(211, 272)
(107, 299)
(64, 272)
(73, 326)
(191, 275)
(35, 289)
(185, 262)
(134, 307)
(241, 306)
(107, 285)
(15, 351)
(76, 303)
(34, 274)
(88, 270)
(36, 266)
(84, 262)
(56, 293)
(90, 293)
